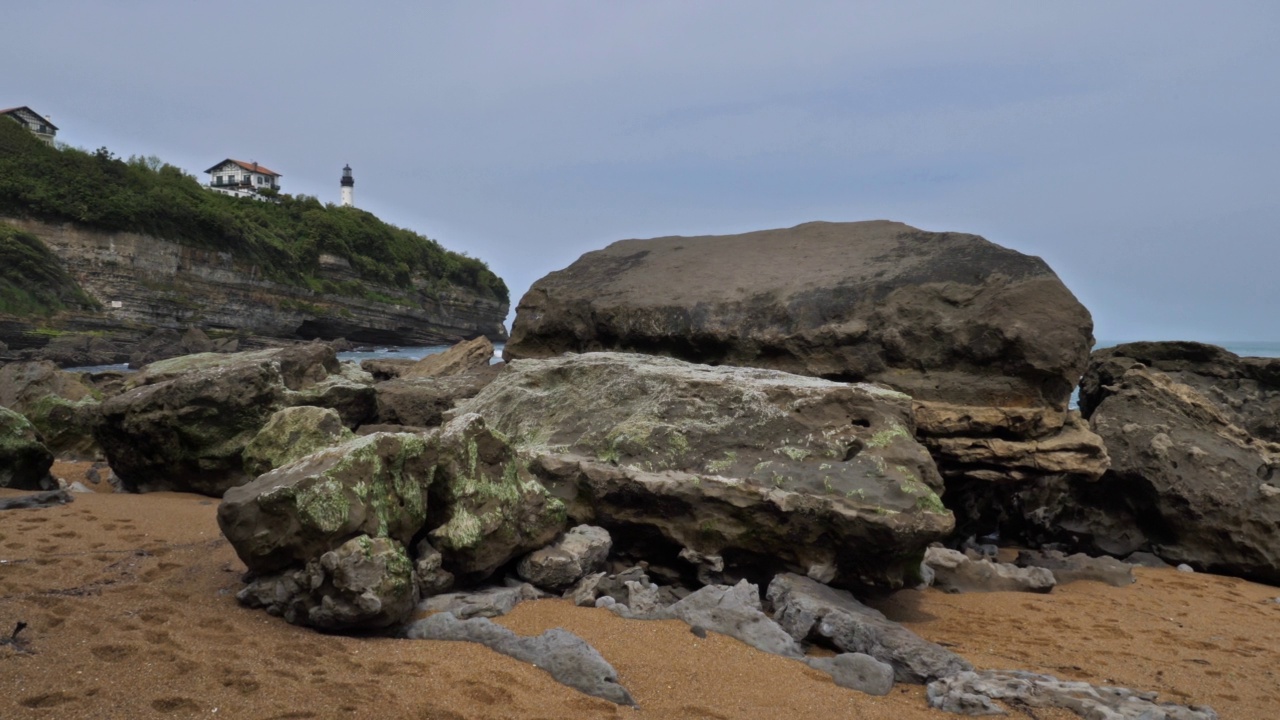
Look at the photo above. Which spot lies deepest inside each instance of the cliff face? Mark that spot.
(146, 283)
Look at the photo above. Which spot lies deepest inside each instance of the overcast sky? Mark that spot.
(1133, 145)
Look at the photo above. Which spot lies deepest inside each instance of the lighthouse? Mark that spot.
(348, 187)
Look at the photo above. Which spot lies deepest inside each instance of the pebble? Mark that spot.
(1186, 568)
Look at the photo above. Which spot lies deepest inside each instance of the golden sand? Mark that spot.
(130, 601)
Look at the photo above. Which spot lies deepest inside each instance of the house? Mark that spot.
(32, 121)
(242, 179)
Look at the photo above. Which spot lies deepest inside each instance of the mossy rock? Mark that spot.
(293, 433)
(375, 485)
(24, 460)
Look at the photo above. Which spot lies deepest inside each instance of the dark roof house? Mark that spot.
(33, 121)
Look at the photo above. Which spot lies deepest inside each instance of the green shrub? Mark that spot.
(32, 280)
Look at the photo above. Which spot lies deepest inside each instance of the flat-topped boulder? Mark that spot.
(986, 340)
(761, 468)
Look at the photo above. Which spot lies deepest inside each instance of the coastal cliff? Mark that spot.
(144, 283)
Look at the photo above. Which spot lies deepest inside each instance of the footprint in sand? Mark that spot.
(487, 694)
(47, 700)
(175, 704)
(112, 653)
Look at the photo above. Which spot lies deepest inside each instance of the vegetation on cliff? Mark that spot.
(283, 239)
(32, 281)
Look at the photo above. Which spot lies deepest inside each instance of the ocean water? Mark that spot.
(406, 353)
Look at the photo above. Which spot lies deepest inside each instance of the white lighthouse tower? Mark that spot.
(348, 188)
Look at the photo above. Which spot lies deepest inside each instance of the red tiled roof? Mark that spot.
(251, 167)
(6, 111)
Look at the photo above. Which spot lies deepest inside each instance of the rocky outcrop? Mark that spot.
(24, 460)
(987, 341)
(1186, 482)
(580, 551)
(764, 469)
(422, 402)
(146, 283)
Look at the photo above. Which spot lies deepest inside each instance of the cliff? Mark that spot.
(145, 283)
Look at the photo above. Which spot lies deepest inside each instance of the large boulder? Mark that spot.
(764, 469)
(1186, 481)
(62, 406)
(988, 341)
(185, 422)
(24, 460)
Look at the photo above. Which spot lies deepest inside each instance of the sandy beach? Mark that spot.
(131, 612)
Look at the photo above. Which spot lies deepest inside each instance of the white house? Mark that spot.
(32, 121)
(241, 179)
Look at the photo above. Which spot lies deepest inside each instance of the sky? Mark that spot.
(1134, 145)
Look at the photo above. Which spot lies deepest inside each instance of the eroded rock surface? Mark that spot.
(765, 469)
(461, 358)
(1187, 481)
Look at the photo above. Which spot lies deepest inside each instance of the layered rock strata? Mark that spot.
(144, 283)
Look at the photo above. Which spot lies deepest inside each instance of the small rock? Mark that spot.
(486, 602)
(857, 671)
(1186, 568)
(972, 693)
(956, 572)
(580, 551)
(565, 656)
(1070, 568)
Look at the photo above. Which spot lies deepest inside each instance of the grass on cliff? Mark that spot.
(32, 280)
(284, 240)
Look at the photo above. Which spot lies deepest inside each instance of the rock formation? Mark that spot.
(1187, 481)
(987, 341)
(164, 285)
(757, 468)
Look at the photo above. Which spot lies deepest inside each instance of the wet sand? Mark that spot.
(130, 601)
